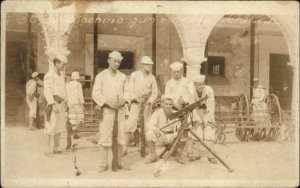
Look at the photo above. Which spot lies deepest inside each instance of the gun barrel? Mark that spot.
(185, 110)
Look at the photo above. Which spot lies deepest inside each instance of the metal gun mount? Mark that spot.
(187, 109)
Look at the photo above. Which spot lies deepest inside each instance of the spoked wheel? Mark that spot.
(274, 116)
(243, 111)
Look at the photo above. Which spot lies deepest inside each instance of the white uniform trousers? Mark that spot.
(57, 123)
(106, 127)
(32, 106)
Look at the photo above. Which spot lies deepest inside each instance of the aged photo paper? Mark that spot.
(149, 93)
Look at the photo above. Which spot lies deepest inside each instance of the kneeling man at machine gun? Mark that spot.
(155, 134)
(204, 119)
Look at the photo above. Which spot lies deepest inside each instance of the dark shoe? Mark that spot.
(102, 169)
(150, 160)
(68, 150)
(124, 167)
(194, 158)
(76, 136)
(212, 160)
(57, 152)
(32, 128)
(179, 160)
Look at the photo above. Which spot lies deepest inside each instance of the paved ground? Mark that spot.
(255, 163)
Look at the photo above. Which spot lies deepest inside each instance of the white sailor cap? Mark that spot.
(146, 60)
(199, 78)
(255, 79)
(62, 58)
(116, 55)
(34, 75)
(166, 97)
(176, 66)
(75, 75)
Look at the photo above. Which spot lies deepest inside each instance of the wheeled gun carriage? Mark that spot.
(249, 123)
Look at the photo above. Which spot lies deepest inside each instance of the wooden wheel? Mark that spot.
(274, 115)
(243, 112)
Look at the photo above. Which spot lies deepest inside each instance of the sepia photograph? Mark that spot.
(149, 93)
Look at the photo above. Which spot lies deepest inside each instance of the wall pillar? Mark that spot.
(194, 31)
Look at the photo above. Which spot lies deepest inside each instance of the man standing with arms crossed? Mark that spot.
(54, 92)
(108, 93)
(143, 91)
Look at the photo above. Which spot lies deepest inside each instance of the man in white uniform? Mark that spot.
(204, 119)
(32, 98)
(75, 102)
(258, 96)
(154, 134)
(143, 91)
(259, 108)
(179, 87)
(54, 92)
(108, 93)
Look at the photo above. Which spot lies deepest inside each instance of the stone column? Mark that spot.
(56, 27)
(193, 66)
(194, 31)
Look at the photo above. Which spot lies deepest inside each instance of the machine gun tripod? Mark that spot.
(183, 115)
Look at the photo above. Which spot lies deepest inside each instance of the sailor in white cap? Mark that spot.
(75, 101)
(32, 98)
(258, 92)
(204, 119)
(109, 93)
(205, 115)
(143, 92)
(157, 136)
(54, 92)
(179, 87)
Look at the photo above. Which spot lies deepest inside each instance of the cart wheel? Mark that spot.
(274, 116)
(243, 110)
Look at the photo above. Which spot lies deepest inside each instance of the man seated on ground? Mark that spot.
(204, 120)
(154, 134)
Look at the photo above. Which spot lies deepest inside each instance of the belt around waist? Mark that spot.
(168, 132)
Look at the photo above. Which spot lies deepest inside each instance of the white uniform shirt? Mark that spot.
(74, 92)
(109, 86)
(209, 102)
(158, 120)
(54, 84)
(179, 88)
(258, 94)
(141, 84)
(31, 87)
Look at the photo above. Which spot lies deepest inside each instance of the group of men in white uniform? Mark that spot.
(113, 92)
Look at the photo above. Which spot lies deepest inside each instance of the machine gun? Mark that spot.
(182, 114)
(189, 108)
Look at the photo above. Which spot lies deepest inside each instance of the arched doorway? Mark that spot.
(23, 44)
(243, 47)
